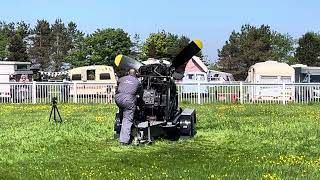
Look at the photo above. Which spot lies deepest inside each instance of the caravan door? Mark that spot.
(268, 92)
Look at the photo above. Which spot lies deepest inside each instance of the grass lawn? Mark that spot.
(233, 142)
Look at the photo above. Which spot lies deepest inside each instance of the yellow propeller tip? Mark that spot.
(118, 60)
(198, 42)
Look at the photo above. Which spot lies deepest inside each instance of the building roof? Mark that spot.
(195, 65)
(307, 69)
(199, 62)
(91, 67)
(13, 62)
(272, 68)
(298, 65)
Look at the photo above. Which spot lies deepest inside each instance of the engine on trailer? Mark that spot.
(159, 99)
(157, 111)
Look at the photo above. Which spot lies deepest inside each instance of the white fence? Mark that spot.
(197, 93)
(39, 92)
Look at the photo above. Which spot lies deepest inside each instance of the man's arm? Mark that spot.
(118, 82)
(139, 96)
(140, 90)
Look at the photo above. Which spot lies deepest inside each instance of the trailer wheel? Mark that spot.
(172, 134)
(187, 127)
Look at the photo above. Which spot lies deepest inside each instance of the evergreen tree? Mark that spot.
(59, 43)
(40, 51)
(18, 43)
(75, 36)
(6, 32)
(308, 51)
(18, 49)
(136, 50)
(282, 46)
(245, 48)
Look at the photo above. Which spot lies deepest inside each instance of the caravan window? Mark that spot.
(285, 79)
(200, 77)
(91, 74)
(22, 66)
(190, 76)
(269, 79)
(76, 77)
(315, 78)
(105, 76)
(214, 77)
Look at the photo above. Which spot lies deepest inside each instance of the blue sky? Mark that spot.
(209, 20)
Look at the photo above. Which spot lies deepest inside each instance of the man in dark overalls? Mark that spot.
(126, 97)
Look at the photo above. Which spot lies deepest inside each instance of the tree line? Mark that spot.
(53, 45)
(46, 44)
(257, 44)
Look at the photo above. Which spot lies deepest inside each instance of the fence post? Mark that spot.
(34, 93)
(283, 93)
(241, 93)
(75, 92)
(199, 96)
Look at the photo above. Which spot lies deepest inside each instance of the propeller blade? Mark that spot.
(186, 54)
(126, 63)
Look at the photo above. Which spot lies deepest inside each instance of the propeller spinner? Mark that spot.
(125, 63)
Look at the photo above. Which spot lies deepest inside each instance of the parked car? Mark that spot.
(219, 77)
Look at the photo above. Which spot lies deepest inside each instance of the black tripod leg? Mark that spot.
(50, 113)
(54, 113)
(149, 132)
(59, 115)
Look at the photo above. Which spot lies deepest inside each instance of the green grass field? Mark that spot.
(233, 142)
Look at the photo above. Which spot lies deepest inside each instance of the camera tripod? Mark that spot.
(55, 110)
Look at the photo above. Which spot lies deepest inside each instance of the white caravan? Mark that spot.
(271, 75)
(102, 80)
